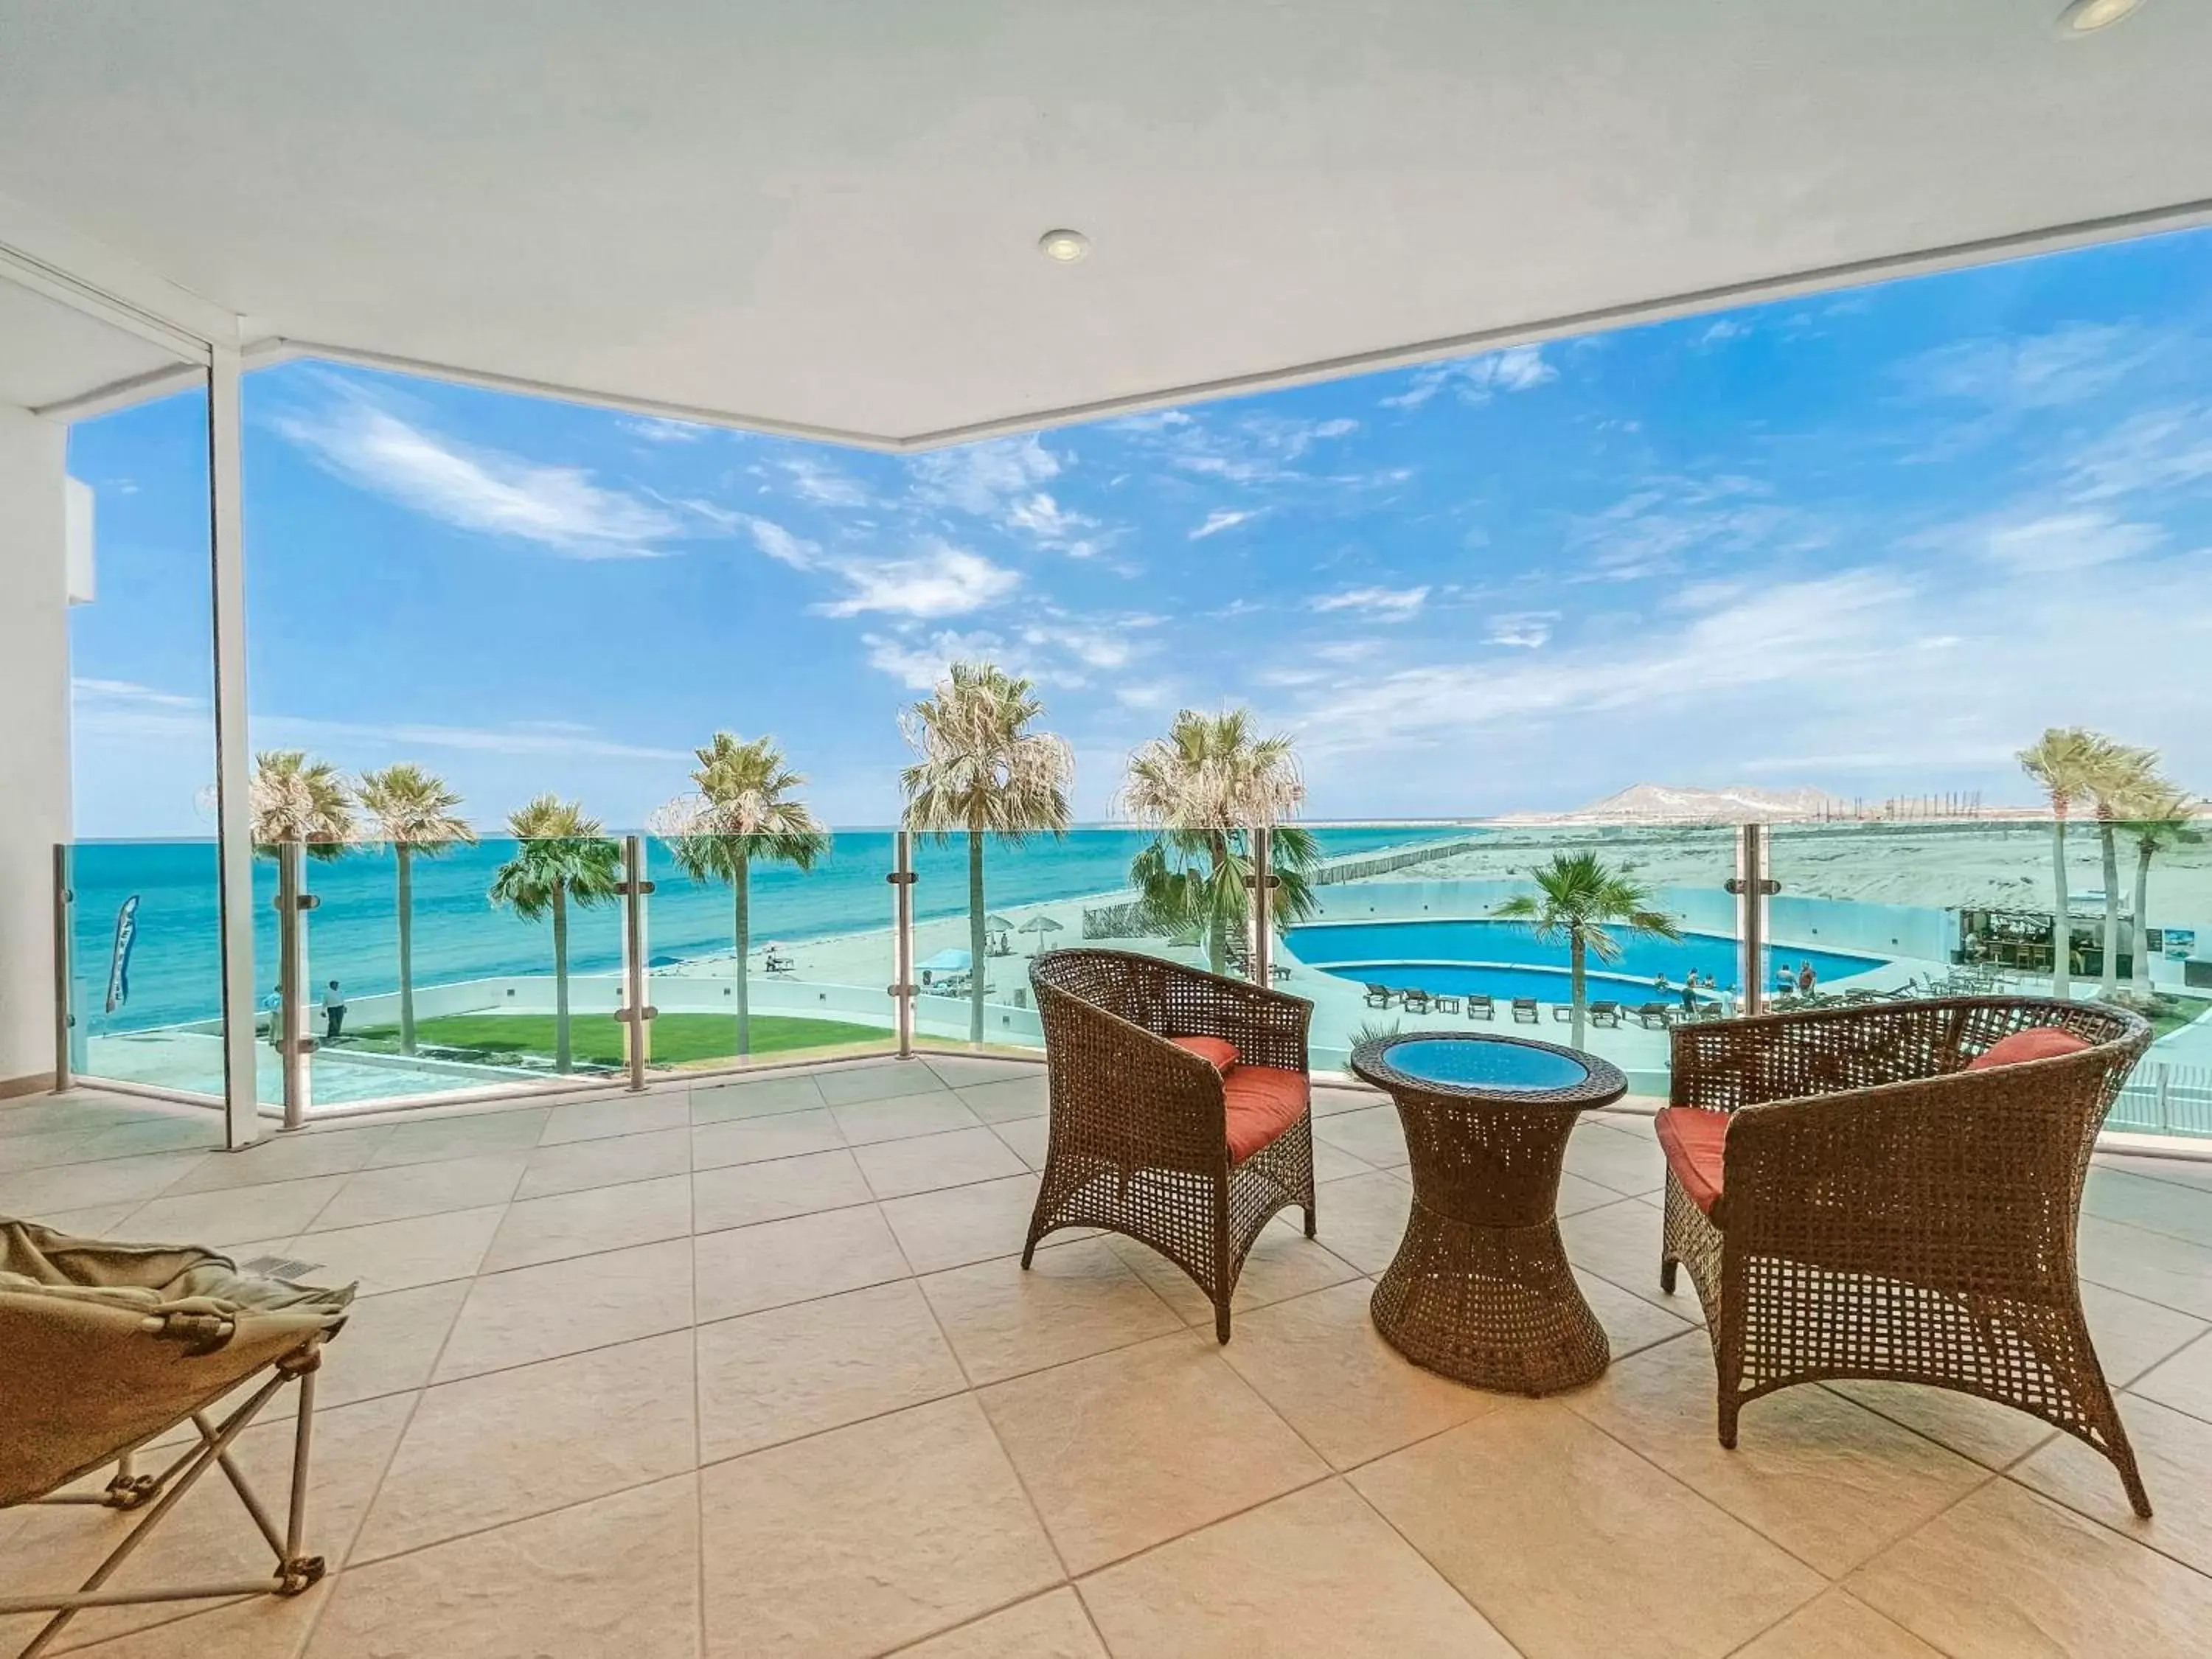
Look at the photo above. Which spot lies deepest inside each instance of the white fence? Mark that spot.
(2164, 1100)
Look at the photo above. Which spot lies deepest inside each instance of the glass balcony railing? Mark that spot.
(448, 981)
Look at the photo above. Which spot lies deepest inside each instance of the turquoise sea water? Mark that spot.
(176, 963)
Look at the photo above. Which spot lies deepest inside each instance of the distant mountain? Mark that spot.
(1664, 803)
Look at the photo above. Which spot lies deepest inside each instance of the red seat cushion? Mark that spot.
(1263, 1101)
(2037, 1042)
(1217, 1052)
(1694, 1140)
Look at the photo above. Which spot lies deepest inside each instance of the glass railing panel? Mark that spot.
(813, 979)
(1429, 933)
(146, 964)
(1969, 907)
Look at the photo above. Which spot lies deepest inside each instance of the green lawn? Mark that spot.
(596, 1039)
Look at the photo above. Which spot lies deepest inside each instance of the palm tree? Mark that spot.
(980, 769)
(1578, 898)
(295, 798)
(740, 814)
(1204, 787)
(2122, 773)
(561, 858)
(411, 812)
(2159, 815)
(2062, 762)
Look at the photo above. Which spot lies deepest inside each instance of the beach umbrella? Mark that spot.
(1040, 925)
(996, 923)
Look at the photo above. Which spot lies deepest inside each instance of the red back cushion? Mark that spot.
(2037, 1042)
(1261, 1102)
(1695, 1142)
(1218, 1052)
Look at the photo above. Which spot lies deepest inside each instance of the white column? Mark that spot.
(233, 762)
(35, 737)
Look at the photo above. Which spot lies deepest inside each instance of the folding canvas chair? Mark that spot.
(107, 1346)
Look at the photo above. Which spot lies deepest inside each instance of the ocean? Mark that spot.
(175, 961)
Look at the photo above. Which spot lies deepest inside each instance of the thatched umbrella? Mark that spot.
(1040, 924)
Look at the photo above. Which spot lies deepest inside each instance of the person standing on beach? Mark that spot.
(334, 1011)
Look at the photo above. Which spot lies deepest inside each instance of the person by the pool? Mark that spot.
(1659, 982)
(1806, 979)
(1690, 991)
(1785, 979)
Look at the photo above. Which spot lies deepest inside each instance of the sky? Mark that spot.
(1871, 542)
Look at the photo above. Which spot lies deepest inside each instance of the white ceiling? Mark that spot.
(822, 213)
(49, 352)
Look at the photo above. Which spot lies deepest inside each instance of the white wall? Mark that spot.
(34, 739)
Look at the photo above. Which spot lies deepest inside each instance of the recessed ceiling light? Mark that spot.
(2088, 16)
(1063, 247)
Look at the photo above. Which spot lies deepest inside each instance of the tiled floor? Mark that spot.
(752, 1370)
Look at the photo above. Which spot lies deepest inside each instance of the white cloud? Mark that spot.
(780, 544)
(2031, 371)
(1476, 379)
(940, 580)
(1723, 331)
(654, 430)
(1223, 519)
(1065, 654)
(1051, 526)
(2065, 541)
(1383, 603)
(1528, 630)
(2155, 449)
(979, 478)
(477, 488)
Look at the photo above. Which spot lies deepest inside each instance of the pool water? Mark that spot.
(1486, 1065)
(1505, 959)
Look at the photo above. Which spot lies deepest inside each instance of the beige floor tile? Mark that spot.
(859, 1539)
(745, 1269)
(762, 1097)
(100, 1221)
(491, 1450)
(397, 1194)
(1620, 1241)
(264, 1212)
(1575, 1194)
(2171, 1207)
(773, 1377)
(961, 1225)
(1373, 1135)
(1079, 1298)
(1050, 1626)
(2008, 1572)
(1997, 1436)
(1630, 1323)
(1328, 1102)
(2172, 1271)
(625, 1115)
(564, 1307)
(464, 1135)
(2185, 1382)
(1364, 1220)
(898, 1117)
(80, 1186)
(1627, 1164)
(1010, 1100)
(970, 1071)
(896, 1169)
(265, 1627)
(754, 1139)
(287, 1158)
(1835, 1626)
(619, 1574)
(1828, 1481)
(739, 1195)
(42, 1113)
(2174, 1453)
(1315, 1575)
(210, 1537)
(1319, 1362)
(93, 1142)
(573, 1167)
(1027, 1138)
(1283, 1263)
(1127, 1450)
(881, 1079)
(390, 1342)
(1334, 1164)
(397, 1255)
(1553, 1529)
(2133, 1336)
(594, 1220)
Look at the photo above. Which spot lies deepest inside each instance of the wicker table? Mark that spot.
(1481, 1289)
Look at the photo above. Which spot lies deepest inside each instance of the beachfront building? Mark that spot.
(811, 1403)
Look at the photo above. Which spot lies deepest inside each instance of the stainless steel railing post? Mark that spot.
(294, 1044)
(902, 988)
(1752, 888)
(64, 973)
(637, 1013)
(1263, 906)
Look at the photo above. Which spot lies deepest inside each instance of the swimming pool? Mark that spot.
(1505, 959)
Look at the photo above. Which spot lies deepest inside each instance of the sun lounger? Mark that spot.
(1417, 1002)
(1524, 1012)
(1480, 1006)
(1652, 1016)
(1380, 996)
(1605, 1014)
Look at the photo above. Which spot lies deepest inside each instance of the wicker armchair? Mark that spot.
(1139, 1141)
(1883, 1211)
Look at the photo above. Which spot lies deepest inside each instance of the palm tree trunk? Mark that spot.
(1575, 987)
(560, 1057)
(2144, 848)
(2109, 981)
(740, 881)
(2062, 932)
(405, 856)
(975, 938)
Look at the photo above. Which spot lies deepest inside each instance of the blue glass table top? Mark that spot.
(1498, 1064)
